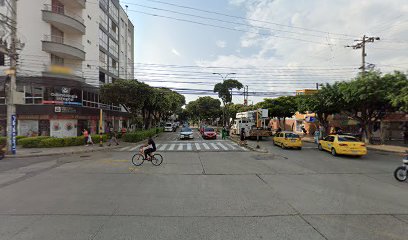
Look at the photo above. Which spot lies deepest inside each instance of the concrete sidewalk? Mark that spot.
(382, 147)
(251, 145)
(38, 152)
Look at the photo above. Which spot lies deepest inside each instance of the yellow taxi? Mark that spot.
(343, 144)
(287, 140)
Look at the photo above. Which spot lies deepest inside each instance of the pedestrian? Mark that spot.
(86, 136)
(113, 138)
(90, 141)
(224, 133)
(242, 137)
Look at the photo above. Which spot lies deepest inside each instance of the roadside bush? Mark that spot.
(31, 142)
(141, 135)
(50, 142)
(3, 140)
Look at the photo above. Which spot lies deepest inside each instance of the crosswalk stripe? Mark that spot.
(162, 147)
(134, 148)
(189, 147)
(222, 146)
(231, 146)
(172, 146)
(214, 146)
(125, 148)
(197, 146)
(206, 146)
(180, 147)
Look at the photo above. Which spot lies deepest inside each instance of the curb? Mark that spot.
(249, 147)
(70, 152)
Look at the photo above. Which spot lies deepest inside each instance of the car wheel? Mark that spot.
(333, 152)
(320, 147)
(283, 146)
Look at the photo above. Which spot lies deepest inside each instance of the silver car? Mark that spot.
(186, 133)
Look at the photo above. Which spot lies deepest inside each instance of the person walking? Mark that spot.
(86, 136)
(90, 141)
(224, 133)
(113, 137)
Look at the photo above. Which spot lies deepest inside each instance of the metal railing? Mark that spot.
(63, 11)
(62, 40)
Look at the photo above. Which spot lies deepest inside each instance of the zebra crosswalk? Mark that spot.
(218, 146)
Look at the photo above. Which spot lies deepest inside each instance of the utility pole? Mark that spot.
(223, 80)
(246, 95)
(361, 44)
(10, 90)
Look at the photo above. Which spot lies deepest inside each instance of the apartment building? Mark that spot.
(72, 47)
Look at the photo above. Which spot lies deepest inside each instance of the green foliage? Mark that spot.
(204, 108)
(224, 89)
(141, 135)
(233, 109)
(50, 142)
(281, 107)
(398, 97)
(3, 141)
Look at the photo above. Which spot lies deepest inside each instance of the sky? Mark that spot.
(275, 47)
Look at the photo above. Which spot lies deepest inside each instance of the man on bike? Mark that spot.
(149, 148)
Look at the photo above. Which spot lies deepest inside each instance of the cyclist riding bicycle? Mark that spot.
(149, 148)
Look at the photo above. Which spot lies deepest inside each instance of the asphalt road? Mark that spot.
(222, 193)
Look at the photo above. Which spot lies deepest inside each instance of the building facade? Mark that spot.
(71, 48)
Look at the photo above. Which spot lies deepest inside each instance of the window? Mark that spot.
(113, 29)
(33, 94)
(102, 77)
(55, 60)
(347, 139)
(103, 59)
(103, 17)
(113, 48)
(113, 11)
(104, 3)
(2, 59)
(103, 39)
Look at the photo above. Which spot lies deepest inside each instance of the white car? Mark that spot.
(168, 127)
(186, 133)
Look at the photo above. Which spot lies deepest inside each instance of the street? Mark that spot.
(205, 189)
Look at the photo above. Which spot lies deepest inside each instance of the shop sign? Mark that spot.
(64, 110)
(13, 134)
(64, 97)
(60, 69)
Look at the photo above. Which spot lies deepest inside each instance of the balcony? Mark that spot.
(74, 3)
(63, 19)
(60, 47)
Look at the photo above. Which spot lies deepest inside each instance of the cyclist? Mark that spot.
(149, 148)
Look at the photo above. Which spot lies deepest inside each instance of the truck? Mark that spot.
(255, 124)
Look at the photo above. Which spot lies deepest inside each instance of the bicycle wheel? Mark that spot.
(157, 159)
(138, 159)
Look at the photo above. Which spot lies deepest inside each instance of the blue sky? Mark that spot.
(279, 46)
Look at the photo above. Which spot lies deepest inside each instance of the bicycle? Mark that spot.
(139, 158)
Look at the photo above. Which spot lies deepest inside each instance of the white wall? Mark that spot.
(92, 49)
(63, 128)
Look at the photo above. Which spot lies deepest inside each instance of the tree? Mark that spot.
(366, 99)
(224, 91)
(281, 107)
(233, 109)
(207, 108)
(324, 103)
(399, 97)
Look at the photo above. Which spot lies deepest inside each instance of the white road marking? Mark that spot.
(134, 148)
(172, 146)
(189, 148)
(206, 146)
(125, 148)
(197, 146)
(214, 146)
(231, 146)
(180, 147)
(222, 146)
(162, 147)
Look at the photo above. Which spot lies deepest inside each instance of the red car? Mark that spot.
(209, 133)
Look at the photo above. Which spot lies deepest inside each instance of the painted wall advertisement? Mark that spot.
(64, 96)
(13, 134)
(63, 128)
(28, 128)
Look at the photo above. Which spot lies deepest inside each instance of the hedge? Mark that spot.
(50, 142)
(141, 135)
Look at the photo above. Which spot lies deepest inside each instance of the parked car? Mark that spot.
(209, 133)
(186, 133)
(168, 127)
(342, 144)
(288, 140)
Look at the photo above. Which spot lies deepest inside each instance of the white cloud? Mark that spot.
(312, 50)
(175, 52)
(221, 44)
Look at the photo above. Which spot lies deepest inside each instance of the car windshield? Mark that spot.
(209, 129)
(292, 135)
(168, 125)
(347, 139)
(186, 130)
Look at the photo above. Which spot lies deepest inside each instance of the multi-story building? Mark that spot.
(72, 47)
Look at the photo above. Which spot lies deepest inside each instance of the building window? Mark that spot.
(103, 17)
(102, 77)
(103, 39)
(103, 60)
(113, 11)
(104, 3)
(55, 60)
(33, 94)
(2, 59)
(113, 48)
